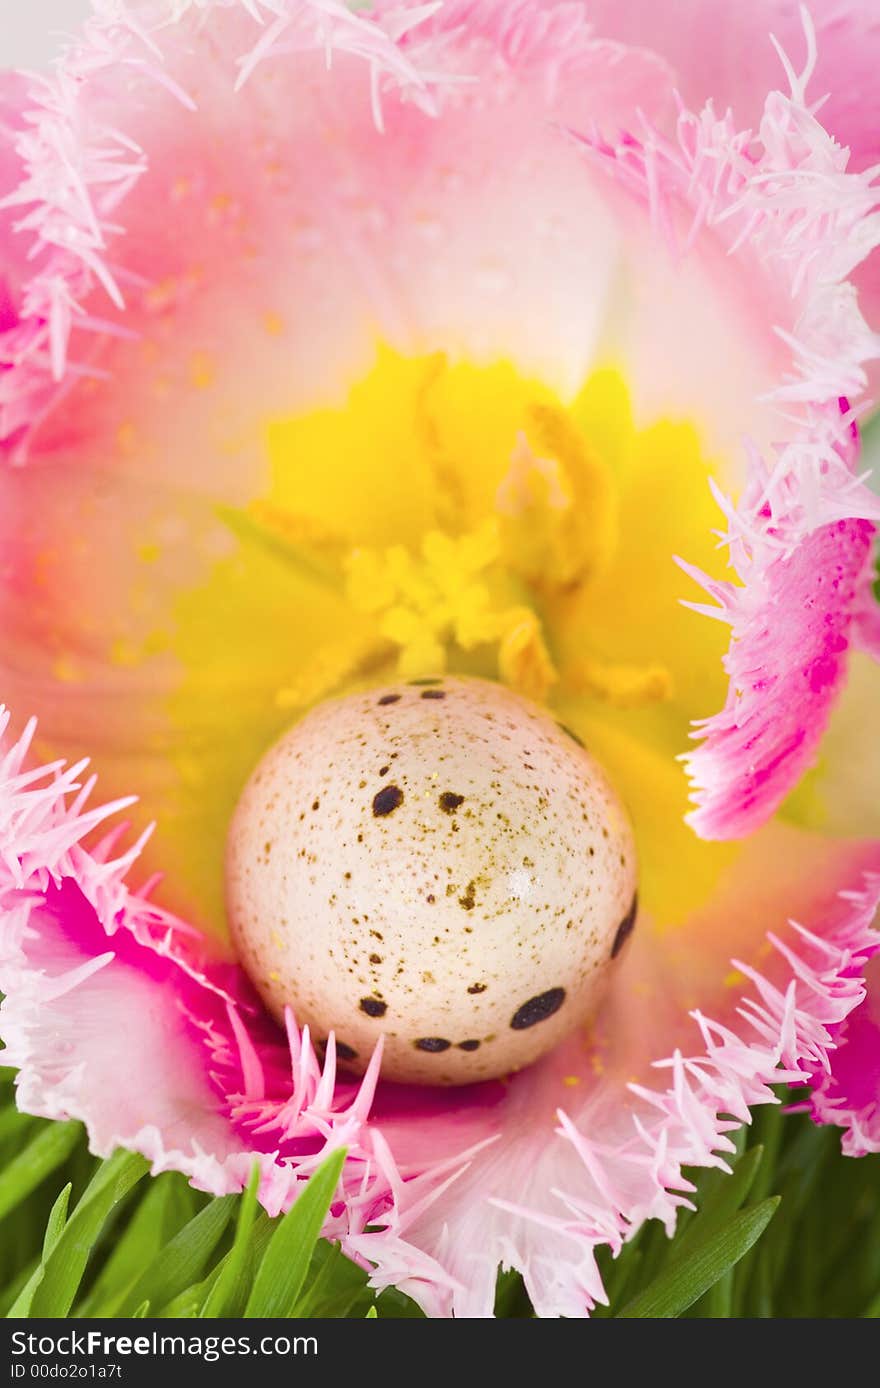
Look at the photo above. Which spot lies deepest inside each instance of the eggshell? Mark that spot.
(437, 862)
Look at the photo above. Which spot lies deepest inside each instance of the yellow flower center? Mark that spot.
(449, 516)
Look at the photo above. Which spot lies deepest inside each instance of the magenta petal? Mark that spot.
(848, 1093)
(791, 625)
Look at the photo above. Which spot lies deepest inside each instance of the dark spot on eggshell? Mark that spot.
(478, 988)
(432, 1043)
(469, 900)
(449, 801)
(468, 1045)
(626, 927)
(433, 694)
(373, 1007)
(431, 679)
(386, 800)
(563, 727)
(345, 1052)
(316, 804)
(537, 1009)
(389, 699)
(383, 770)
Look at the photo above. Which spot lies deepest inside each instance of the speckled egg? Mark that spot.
(438, 862)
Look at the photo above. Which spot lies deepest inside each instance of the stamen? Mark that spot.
(331, 667)
(557, 504)
(523, 659)
(622, 686)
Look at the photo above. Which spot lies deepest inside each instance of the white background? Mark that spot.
(30, 29)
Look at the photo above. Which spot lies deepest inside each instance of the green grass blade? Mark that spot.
(678, 1286)
(731, 1192)
(54, 1229)
(261, 1237)
(219, 1296)
(286, 1261)
(13, 1290)
(63, 1269)
(150, 1225)
(182, 1261)
(372, 1314)
(44, 1154)
(56, 1221)
(13, 1124)
(335, 1288)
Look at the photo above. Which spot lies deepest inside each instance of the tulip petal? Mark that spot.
(805, 502)
(119, 1015)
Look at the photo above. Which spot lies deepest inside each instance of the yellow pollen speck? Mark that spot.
(571, 1080)
(201, 370)
(273, 324)
(734, 979)
(274, 975)
(148, 553)
(67, 670)
(125, 653)
(126, 437)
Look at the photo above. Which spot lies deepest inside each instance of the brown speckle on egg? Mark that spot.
(387, 800)
(432, 1043)
(538, 1009)
(626, 928)
(468, 901)
(449, 801)
(569, 732)
(373, 1007)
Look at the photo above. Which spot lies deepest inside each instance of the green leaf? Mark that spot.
(286, 1261)
(372, 1314)
(678, 1286)
(64, 1268)
(43, 1154)
(219, 1296)
(54, 1228)
(182, 1261)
